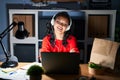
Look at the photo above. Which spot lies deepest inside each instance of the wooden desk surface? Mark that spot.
(107, 75)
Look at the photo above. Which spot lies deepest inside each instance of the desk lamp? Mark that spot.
(21, 33)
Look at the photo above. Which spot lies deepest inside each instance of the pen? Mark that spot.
(23, 69)
(12, 73)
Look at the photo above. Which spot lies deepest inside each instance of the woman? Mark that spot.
(58, 38)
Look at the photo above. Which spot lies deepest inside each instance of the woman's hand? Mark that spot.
(72, 50)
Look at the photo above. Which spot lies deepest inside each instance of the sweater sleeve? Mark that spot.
(73, 44)
(45, 45)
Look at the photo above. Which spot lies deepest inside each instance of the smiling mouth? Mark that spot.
(60, 28)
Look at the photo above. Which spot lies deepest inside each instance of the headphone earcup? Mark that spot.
(52, 22)
(68, 28)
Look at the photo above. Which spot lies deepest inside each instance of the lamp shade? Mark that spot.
(21, 33)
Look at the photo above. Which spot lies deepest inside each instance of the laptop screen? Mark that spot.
(61, 63)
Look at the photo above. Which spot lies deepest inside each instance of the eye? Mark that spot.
(62, 24)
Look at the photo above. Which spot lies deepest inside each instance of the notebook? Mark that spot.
(60, 63)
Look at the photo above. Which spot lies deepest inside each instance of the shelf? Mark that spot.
(84, 23)
(59, 0)
(30, 40)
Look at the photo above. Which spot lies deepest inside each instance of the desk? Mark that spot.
(108, 75)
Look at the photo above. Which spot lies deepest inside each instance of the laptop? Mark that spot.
(60, 62)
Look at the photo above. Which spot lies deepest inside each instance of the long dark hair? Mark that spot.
(50, 30)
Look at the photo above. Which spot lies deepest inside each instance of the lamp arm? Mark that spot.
(7, 30)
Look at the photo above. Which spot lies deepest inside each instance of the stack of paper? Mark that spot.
(6, 70)
(16, 74)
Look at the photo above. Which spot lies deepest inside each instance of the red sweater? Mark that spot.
(59, 47)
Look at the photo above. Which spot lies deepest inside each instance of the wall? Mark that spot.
(4, 19)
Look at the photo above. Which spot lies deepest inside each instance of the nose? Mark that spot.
(61, 24)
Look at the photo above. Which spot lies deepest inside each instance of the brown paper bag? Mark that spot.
(104, 52)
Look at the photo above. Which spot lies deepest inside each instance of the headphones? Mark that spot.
(52, 22)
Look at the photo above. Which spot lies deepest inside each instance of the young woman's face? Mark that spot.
(60, 24)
